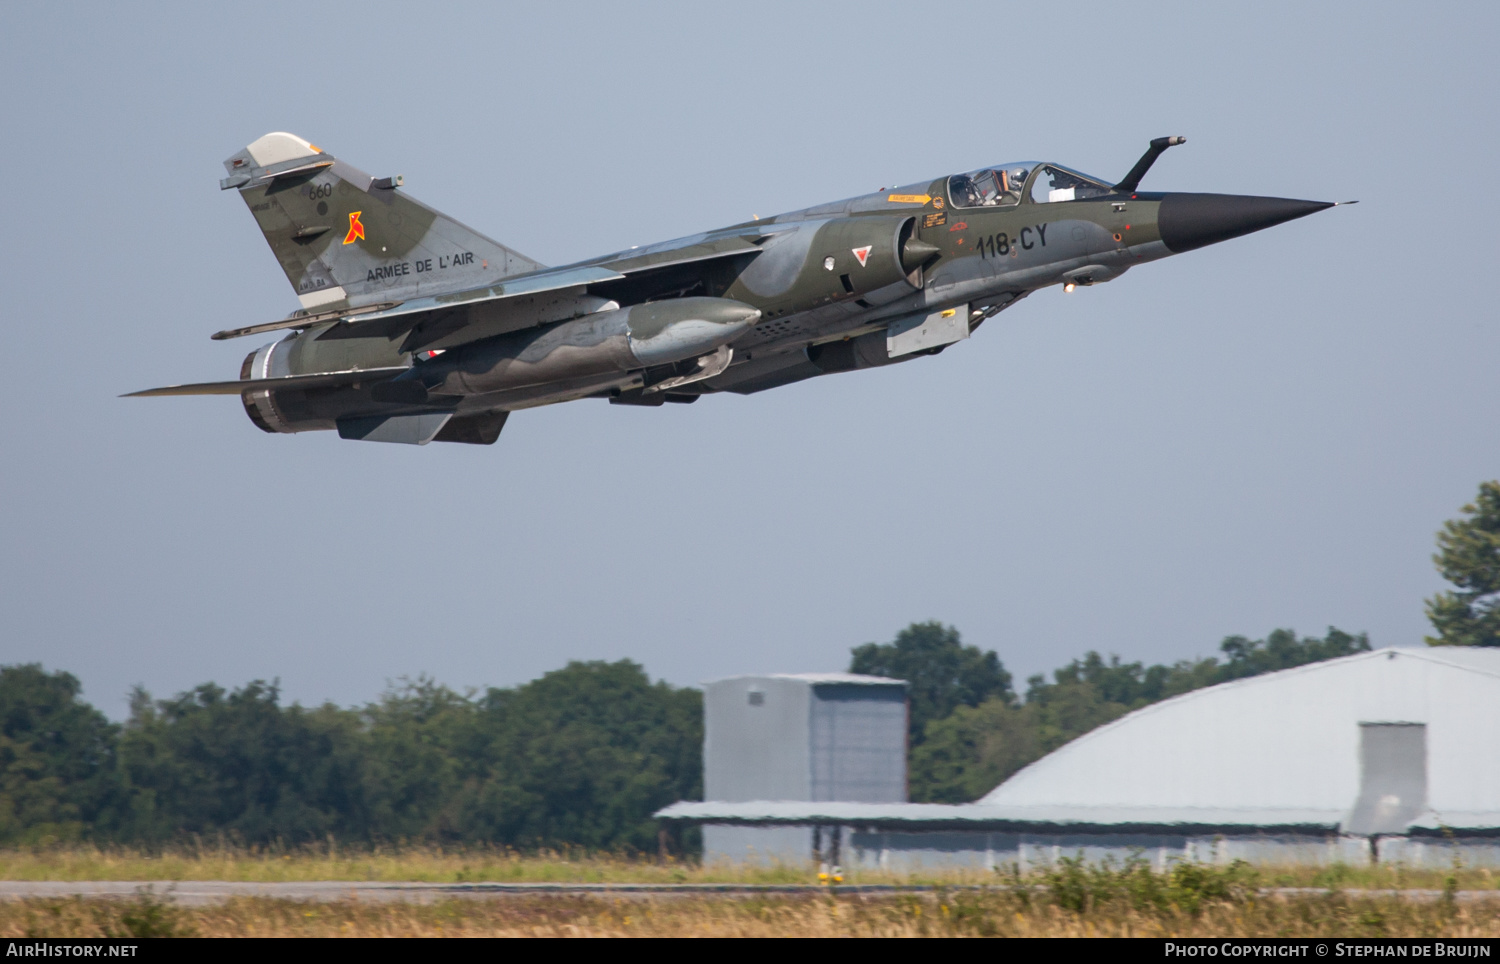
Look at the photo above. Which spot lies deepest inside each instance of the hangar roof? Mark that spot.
(820, 679)
(1288, 740)
(982, 817)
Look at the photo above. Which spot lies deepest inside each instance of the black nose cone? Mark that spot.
(1189, 221)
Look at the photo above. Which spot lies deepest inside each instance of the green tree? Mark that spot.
(585, 755)
(208, 761)
(1281, 649)
(582, 756)
(1469, 557)
(941, 672)
(57, 757)
(969, 752)
(424, 744)
(1127, 684)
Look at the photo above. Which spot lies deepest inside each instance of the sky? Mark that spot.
(1264, 433)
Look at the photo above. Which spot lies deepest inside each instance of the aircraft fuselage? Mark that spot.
(402, 344)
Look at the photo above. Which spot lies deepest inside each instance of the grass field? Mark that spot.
(999, 913)
(499, 865)
(1071, 899)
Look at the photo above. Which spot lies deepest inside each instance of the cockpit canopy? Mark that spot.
(990, 186)
(1008, 184)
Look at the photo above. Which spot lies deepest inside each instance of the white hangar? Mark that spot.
(1371, 742)
(1392, 755)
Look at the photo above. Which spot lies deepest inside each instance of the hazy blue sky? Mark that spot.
(1264, 433)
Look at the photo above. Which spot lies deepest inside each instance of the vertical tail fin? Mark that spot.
(345, 238)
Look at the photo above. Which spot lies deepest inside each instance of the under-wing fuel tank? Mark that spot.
(651, 346)
(618, 341)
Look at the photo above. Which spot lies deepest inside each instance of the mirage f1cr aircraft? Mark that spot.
(414, 328)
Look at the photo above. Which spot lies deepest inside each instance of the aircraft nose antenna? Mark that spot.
(1189, 221)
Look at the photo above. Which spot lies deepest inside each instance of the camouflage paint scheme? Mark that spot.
(415, 328)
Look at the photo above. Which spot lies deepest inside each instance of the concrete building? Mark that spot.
(1390, 755)
(808, 737)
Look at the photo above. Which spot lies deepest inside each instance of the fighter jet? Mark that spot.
(415, 328)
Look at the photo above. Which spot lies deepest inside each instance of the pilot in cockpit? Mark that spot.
(1011, 183)
(987, 188)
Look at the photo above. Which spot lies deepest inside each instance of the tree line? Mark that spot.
(580, 757)
(583, 755)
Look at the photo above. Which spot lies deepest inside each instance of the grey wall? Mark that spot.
(858, 743)
(757, 845)
(756, 752)
(1001, 851)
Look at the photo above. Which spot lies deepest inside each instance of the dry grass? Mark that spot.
(500, 865)
(1382, 877)
(425, 864)
(1073, 899)
(999, 913)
